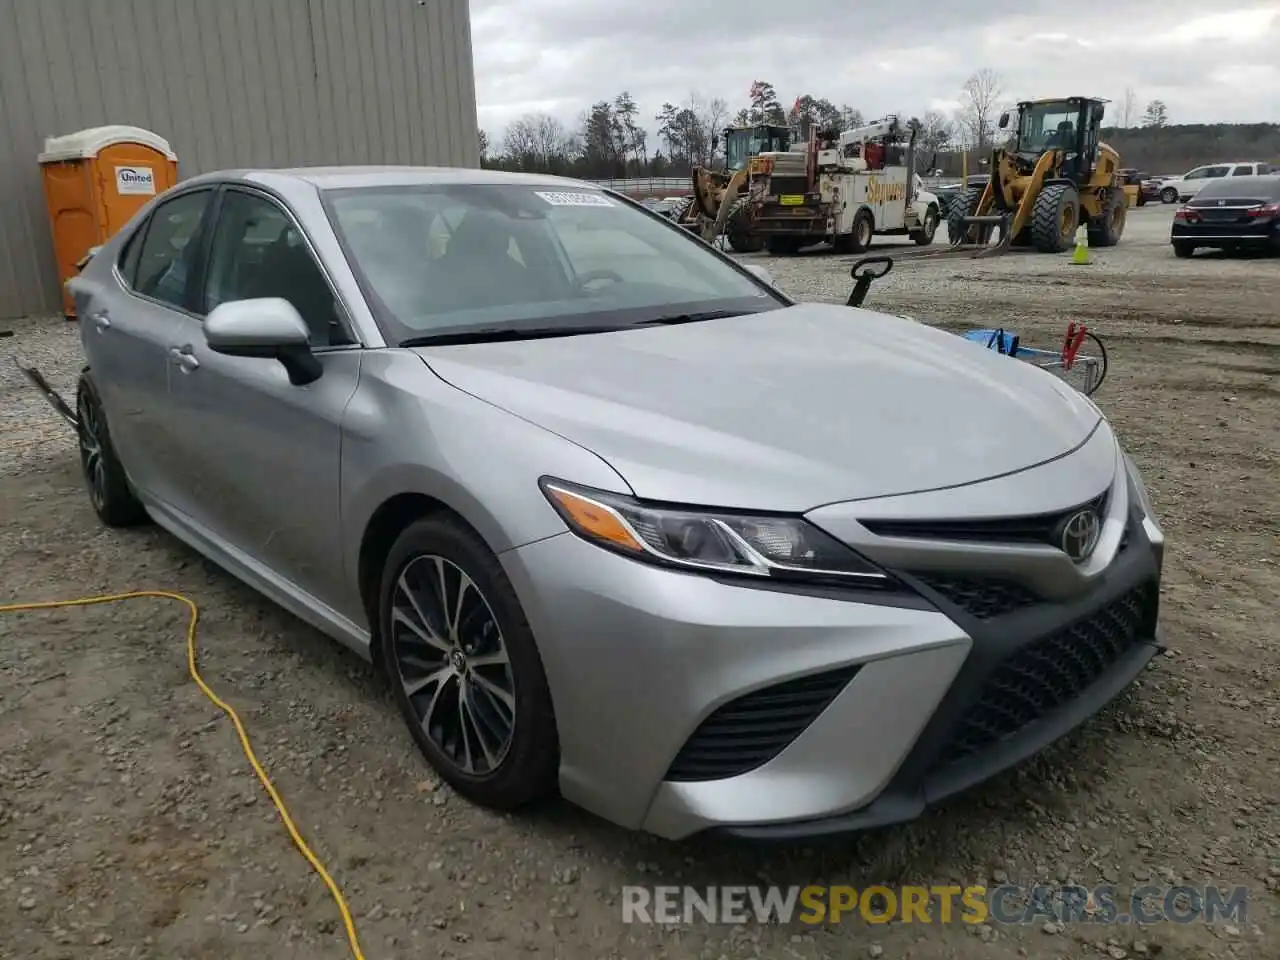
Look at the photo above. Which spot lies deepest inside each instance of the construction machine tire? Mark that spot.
(1107, 229)
(1055, 217)
(680, 210)
(738, 229)
(783, 246)
(963, 204)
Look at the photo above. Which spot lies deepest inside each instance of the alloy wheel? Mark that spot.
(452, 662)
(91, 459)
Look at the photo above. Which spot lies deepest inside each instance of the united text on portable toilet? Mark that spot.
(95, 180)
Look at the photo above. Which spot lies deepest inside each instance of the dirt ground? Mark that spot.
(131, 825)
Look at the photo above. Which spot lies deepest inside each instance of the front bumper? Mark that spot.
(687, 704)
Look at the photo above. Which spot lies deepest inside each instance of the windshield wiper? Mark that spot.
(690, 318)
(502, 334)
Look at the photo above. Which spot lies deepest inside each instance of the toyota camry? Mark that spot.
(617, 517)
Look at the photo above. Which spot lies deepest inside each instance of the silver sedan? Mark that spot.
(615, 515)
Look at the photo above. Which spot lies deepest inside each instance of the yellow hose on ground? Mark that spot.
(226, 708)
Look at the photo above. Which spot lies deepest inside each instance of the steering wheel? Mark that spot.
(594, 275)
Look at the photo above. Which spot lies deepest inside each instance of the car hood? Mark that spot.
(783, 410)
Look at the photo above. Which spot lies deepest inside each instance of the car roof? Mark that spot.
(341, 177)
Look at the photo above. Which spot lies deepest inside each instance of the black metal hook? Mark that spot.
(863, 274)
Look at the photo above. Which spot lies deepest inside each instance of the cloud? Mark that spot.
(558, 56)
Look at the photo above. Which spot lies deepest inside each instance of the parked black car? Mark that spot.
(1231, 213)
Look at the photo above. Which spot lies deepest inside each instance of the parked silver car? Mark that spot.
(614, 514)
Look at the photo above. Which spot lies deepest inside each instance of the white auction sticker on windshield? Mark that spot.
(574, 199)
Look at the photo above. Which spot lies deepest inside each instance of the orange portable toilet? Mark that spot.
(94, 182)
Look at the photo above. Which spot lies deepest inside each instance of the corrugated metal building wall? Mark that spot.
(229, 83)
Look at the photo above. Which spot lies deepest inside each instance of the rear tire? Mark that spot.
(1055, 217)
(738, 229)
(680, 210)
(963, 204)
(110, 494)
(1109, 227)
(490, 735)
(1183, 250)
(859, 238)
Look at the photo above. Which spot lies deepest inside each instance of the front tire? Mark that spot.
(110, 494)
(464, 666)
(1054, 218)
(924, 236)
(1168, 195)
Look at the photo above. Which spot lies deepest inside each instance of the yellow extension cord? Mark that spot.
(226, 708)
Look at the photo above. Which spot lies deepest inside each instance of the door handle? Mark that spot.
(184, 359)
(100, 320)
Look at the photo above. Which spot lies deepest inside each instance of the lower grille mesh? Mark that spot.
(749, 732)
(1039, 678)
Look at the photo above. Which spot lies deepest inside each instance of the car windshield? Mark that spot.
(445, 259)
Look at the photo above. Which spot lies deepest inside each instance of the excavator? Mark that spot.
(719, 202)
(1053, 175)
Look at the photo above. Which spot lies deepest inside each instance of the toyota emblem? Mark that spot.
(1079, 533)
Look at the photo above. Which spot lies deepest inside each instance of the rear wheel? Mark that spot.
(859, 238)
(1109, 226)
(963, 204)
(464, 666)
(1183, 250)
(1055, 217)
(738, 229)
(112, 498)
(681, 208)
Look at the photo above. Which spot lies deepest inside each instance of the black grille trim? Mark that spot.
(748, 732)
(1037, 528)
(1043, 676)
(981, 597)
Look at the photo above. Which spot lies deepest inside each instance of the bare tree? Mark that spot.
(537, 141)
(981, 99)
(1128, 108)
(712, 116)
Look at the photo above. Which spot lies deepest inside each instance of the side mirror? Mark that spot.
(760, 273)
(1004, 119)
(269, 328)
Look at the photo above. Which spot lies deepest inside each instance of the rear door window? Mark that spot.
(1243, 170)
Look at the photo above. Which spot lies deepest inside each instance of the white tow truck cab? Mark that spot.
(842, 188)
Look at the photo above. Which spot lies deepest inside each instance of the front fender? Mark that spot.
(407, 431)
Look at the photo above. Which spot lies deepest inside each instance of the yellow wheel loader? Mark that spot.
(719, 201)
(1052, 176)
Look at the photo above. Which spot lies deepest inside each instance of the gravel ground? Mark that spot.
(131, 826)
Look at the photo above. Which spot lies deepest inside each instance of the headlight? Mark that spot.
(784, 548)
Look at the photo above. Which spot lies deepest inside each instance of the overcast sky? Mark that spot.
(557, 56)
